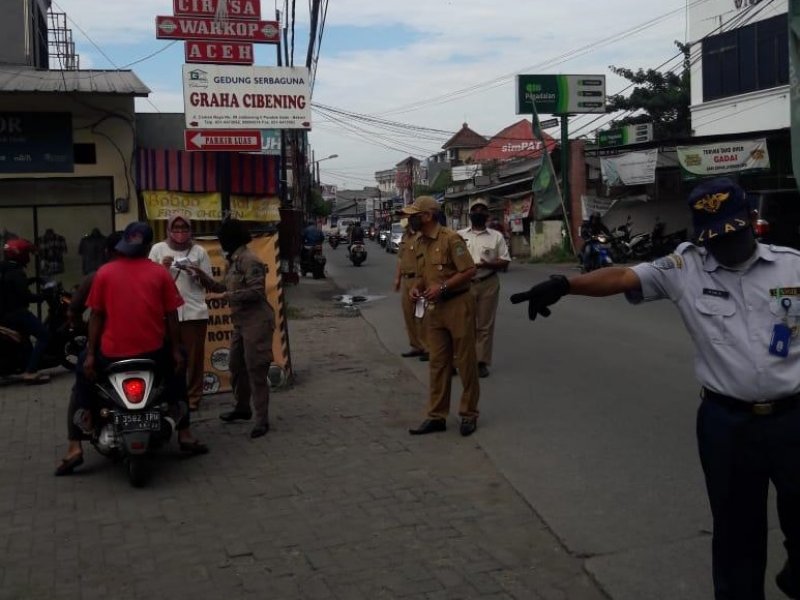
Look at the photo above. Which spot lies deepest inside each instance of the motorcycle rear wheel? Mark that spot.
(138, 470)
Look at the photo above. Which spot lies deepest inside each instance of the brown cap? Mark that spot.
(422, 204)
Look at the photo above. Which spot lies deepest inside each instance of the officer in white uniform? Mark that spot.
(489, 252)
(740, 301)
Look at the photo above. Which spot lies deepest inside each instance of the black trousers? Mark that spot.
(741, 453)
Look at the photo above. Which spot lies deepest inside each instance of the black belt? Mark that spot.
(408, 275)
(760, 408)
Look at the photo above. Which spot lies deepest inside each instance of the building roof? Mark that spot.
(515, 141)
(465, 138)
(26, 80)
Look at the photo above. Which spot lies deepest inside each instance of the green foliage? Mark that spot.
(317, 206)
(662, 98)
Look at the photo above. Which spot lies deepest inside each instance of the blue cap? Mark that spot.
(136, 238)
(719, 207)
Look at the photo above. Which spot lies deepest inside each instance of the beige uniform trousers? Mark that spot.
(414, 326)
(193, 340)
(251, 356)
(486, 293)
(450, 335)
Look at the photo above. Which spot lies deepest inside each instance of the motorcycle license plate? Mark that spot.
(144, 421)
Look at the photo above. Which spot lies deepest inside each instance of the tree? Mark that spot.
(317, 206)
(661, 98)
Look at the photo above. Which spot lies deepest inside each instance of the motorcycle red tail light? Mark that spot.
(762, 227)
(134, 389)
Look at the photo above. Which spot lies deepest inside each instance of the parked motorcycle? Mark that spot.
(66, 342)
(620, 241)
(133, 418)
(312, 260)
(597, 254)
(358, 253)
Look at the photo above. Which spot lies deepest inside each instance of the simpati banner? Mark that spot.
(632, 168)
(161, 205)
(726, 157)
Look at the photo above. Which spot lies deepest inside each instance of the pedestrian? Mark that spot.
(253, 321)
(15, 297)
(740, 301)
(176, 254)
(403, 282)
(489, 252)
(444, 272)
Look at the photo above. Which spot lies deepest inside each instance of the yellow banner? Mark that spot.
(161, 205)
(217, 348)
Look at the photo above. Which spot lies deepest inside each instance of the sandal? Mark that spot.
(194, 447)
(36, 379)
(68, 465)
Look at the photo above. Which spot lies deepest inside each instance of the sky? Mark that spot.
(419, 63)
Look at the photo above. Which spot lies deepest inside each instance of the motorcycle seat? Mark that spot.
(131, 364)
(11, 334)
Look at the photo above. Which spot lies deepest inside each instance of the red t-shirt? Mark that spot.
(135, 294)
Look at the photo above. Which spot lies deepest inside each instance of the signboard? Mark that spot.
(161, 205)
(632, 168)
(231, 53)
(193, 28)
(718, 159)
(211, 140)
(561, 94)
(271, 142)
(36, 142)
(630, 134)
(550, 123)
(234, 9)
(229, 97)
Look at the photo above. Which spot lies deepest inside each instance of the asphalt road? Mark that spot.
(591, 416)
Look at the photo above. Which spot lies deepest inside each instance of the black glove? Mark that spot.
(542, 295)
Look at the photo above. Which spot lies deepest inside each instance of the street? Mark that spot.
(590, 414)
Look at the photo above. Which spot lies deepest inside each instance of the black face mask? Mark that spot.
(733, 249)
(478, 219)
(415, 221)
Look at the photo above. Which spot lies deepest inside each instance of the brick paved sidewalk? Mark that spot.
(338, 501)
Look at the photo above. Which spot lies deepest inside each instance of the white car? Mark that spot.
(393, 245)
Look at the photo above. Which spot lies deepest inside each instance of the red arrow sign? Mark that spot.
(219, 53)
(188, 28)
(236, 9)
(222, 139)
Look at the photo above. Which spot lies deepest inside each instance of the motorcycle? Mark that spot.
(333, 240)
(312, 260)
(133, 418)
(358, 253)
(66, 341)
(597, 253)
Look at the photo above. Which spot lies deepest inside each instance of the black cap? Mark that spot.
(136, 238)
(719, 207)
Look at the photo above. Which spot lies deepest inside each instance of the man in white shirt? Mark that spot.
(490, 253)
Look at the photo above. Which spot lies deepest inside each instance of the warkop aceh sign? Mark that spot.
(195, 28)
(219, 53)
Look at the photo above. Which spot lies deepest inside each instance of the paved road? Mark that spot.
(591, 416)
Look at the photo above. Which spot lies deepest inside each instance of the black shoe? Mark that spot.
(412, 353)
(786, 583)
(483, 370)
(468, 427)
(429, 426)
(235, 415)
(259, 431)
(424, 357)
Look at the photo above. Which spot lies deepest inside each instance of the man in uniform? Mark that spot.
(444, 272)
(403, 282)
(490, 253)
(740, 301)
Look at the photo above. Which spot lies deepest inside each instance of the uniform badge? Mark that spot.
(460, 250)
(673, 261)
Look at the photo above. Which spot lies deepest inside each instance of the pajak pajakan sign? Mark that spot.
(727, 157)
(230, 97)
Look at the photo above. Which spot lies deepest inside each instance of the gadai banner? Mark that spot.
(722, 158)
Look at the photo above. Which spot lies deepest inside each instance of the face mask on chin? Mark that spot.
(733, 249)
(478, 219)
(180, 237)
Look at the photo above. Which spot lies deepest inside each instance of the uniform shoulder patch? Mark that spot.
(460, 249)
(665, 263)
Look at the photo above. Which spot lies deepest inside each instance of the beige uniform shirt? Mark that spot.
(440, 256)
(245, 282)
(485, 246)
(407, 254)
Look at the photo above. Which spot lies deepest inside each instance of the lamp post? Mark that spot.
(316, 165)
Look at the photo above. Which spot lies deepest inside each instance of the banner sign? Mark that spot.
(194, 28)
(727, 157)
(36, 142)
(594, 204)
(561, 94)
(233, 9)
(794, 84)
(234, 97)
(216, 377)
(219, 53)
(632, 168)
(630, 134)
(271, 142)
(161, 205)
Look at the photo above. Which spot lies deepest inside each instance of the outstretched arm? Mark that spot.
(605, 282)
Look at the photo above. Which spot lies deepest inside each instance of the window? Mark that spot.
(755, 57)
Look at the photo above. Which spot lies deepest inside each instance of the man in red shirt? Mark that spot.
(134, 304)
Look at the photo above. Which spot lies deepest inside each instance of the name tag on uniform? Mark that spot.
(716, 293)
(781, 337)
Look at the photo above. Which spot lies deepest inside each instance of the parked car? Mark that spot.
(778, 220)
(393, 245)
